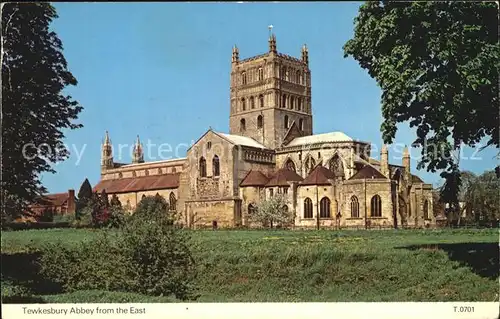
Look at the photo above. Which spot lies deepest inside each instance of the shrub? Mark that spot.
(146, 255)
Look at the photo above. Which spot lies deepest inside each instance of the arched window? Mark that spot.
(286, 121)
(283, 73)
(261, 100)
(287, 75)
(376, 206)
(252, 102)
(324, 208)
(251, 209)
(297, 77)
(203, 167)
(173, 170)
(260, 121)
(215, 166)
(146, 173)
(134, 174)
(243, 78)
(310, 164)
(292, 102)
(243, 104)
(426, 209)
(160, 171)
(261, 74)
(299, 104)
(301, 124)
(283, 101)
(143, 196)
(290, 165)
(336, 166)
(354, 207)
(243, 125)
(120, 175)
(308, 208)
(172, 201)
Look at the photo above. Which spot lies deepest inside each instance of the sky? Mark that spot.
(161, 71)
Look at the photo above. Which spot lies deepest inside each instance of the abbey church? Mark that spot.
(328, 179)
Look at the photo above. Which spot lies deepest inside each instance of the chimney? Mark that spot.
(384, 161)
(71, 201)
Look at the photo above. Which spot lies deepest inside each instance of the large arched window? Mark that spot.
(324, 207)
(354, 207)
(251, 209)
(283, 101)
(261, 74)
(261, 100)
(172, 201)
(290, 165)
(215, 166)
(243, 125)
(301, 124)
(260, 121)
(285, 121)
(376, 206)
(243, 78)
(336, 166)
(203, 167)
(252, 102)
(243, 104)
(308, 208)
(426, 209)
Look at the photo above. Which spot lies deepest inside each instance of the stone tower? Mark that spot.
(270, 92)
(106, 153)
(137, 154)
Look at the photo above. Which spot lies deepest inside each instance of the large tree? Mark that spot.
(35, 110)
(437, 65)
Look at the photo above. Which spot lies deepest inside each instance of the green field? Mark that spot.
(290, 266)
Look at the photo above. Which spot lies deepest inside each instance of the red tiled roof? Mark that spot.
(136, 184)
(283, 176)
(319, 176)
(56, 199)
(254, 178)
(367, 172)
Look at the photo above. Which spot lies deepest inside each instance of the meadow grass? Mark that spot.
(292, 266)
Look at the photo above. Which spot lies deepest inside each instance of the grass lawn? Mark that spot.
(290, 266)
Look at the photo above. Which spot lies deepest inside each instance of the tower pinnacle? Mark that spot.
(138, 155)
(272, 40)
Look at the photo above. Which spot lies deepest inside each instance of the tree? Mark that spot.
(480, 196)
(115, 202)
(437, 65)
(273, 210)
(84, 195)
(34, 109)
(150, 206)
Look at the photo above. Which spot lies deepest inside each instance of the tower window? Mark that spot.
(286, 121)
(203, 167)
(260, 121)
(261, 74)
(215, 166)
(298, 77)
(299, 104)
(243, 78)
(261, 100)
(243, 104)
(283, 101)
(243, 125)
(292, 102)
(301, 124)
(283, 72)
(252, 102)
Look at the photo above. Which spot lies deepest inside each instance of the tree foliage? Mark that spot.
(437, 65)
(35, 111)
(479, 195)
(84, 195)
(273, 211)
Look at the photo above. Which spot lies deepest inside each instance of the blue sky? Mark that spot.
(161, 70)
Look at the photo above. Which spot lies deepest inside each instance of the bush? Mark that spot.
(146, 255)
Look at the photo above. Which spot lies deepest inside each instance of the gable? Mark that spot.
(292, 133)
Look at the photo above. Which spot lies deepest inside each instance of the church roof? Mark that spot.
(135, 184)
(320, 138)
(283, 176)
(367, 172)
(55, 199)
(254, 178)
(240, 140)
(319, 176)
